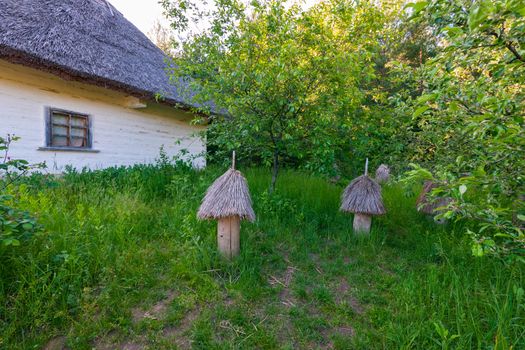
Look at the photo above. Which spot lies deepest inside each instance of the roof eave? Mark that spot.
(21, 57)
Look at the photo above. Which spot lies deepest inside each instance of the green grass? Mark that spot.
(124, 262)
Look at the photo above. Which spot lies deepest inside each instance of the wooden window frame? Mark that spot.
(49, 131)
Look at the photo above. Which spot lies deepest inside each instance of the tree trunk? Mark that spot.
(275, 170)
(228, 236)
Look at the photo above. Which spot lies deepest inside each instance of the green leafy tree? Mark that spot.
(470, 118)
(285, 81)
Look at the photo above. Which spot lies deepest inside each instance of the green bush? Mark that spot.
(16, 226)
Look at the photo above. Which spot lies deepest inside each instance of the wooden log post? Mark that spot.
(362, 223)
(228, 236)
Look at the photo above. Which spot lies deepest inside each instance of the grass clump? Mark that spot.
(123, 261)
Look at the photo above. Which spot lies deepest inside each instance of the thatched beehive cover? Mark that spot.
(227, 196)
(363, 196)
(382, 173)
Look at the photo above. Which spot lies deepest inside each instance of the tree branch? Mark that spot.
(509, 46)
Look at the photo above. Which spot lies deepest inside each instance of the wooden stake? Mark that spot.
(366, 167)
(228, 236)
(233, 160)
(362, 223)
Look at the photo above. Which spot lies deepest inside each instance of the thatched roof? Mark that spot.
(363, 196)
(227, 196)
(425, 204)
(84, 40)
(382, 173)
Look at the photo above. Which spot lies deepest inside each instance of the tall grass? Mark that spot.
(121, 238)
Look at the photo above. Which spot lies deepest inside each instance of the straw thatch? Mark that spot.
(88, 41)
(363, 196)
(383, 173)
(227, 196)
(425, 205)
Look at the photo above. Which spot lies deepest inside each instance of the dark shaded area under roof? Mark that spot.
(85, 40)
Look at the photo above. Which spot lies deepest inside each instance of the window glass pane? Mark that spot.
(59, 141)
(78, 132)
(59, 130)
(77, 142)
(68, 129)
(59, 118)
(78, 121)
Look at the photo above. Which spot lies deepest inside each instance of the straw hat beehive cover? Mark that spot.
(383, 173)
(363, 196)
(227, 196)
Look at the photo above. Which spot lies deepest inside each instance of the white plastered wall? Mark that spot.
(121, 135)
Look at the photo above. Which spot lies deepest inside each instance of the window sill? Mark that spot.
(68, 149)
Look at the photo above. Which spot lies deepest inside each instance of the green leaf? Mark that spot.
(27, 226)
(521, 217)
(11, 242)
(453, 32)
(417, 6)
(420, 111)
(477, 250)
(479, 14)
(516, 6)
(426, 97)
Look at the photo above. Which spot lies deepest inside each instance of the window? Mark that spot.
(68, 130)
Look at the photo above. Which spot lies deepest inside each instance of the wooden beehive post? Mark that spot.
(228, 236)
(228, 232)
(362, 223)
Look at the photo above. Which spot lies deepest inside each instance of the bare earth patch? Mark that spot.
(315, 259)
(132, 346)
(57, 343)
(157, 311)
(347, 260)
(127, 345)
(345, 331)
(179, 332)
(343, 294)
(111, 341)
(285, 296)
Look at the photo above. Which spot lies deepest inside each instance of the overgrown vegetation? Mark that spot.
(16, 226)
(437, 83)
(471, 115)
(117, 259)
(123, 261)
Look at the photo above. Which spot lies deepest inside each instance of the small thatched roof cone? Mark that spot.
(363, 198)
(227, 196)
(382, 174)
(228, 201)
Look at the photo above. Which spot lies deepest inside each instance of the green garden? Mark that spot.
(117, 258)
(123, 261)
